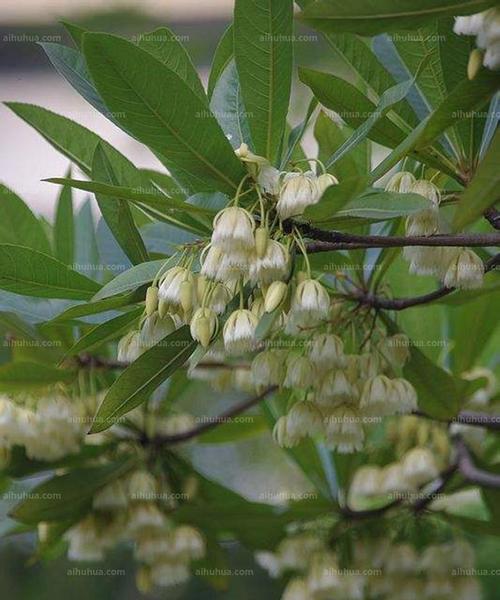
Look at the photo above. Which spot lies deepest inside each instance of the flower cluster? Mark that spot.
(134, 509)
(486, 27)
(49, 430)
(456, 267)
(336, 392)
(380, 569)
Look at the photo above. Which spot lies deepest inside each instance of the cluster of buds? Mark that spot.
(456, 267)
(337, 394)
(319, 573)
(49, 429)
(486, 27)
(134, 509)
(438, 571)
(380, 569)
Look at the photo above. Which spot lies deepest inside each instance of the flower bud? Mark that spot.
(203, 326)
(186, 295)
(151, 300)
(261, 239)
(275, 295)
(143, 580)
(475, 62)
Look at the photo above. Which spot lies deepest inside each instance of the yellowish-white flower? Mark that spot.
(171, 291)
(130, 347)
(297, 589)
(154, 329)
(269, 562)
(272, 266)
(395, 349)
(304, 419)
(311, 300)
(327, 352)
(324, 181)
(466, 271)
(142, 486)
(401, 183)
(268, 368)
(401, 559)
(188, 543)
(299, 372)
(428, 190)
(403, 396)
(282, 436)
(419, 466)
(239, 332)
(335, 389)
(144, 516)
(166, 573)
(344, 430)
(234, 230)
(298, 191)
(376, 397)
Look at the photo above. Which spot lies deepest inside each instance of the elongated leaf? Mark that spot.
(223, 54)
(351, 105)
(116, 212)
(335, 198)
(483, 191)
(167, 115)
(18, 225)
(165, 46)
(32, 273)
(76, 32)
(64, 227)
(143, 376)
(330, 137)
(130, 280)
(105, 332)
(369, 17)
(29, 376)
(263, 32)
(388, 99)
(227, 106)
(92, 308)
(155, 201)
(70, 63)
(70, 495)
(297, 133)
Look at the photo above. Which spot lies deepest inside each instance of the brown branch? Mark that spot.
(402, 303)
(212, 423)
(468, 469)
(87, 361)
(439, 485)
(330, 240)
(492, 215)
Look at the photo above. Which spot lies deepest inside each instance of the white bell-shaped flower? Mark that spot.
(298, 191)
(234, 230)
(239, 332)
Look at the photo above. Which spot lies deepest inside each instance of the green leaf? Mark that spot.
(297, 133)
(28, 376)
(335, 198)
(64, 227)
(330, 137)
(105, 332)
(116, 212)
(32, 273)
(165, 46)
(130, 280)
(234, 431)
(167, 115)
(223, 54)
(92, 308)
(484, 189)
(367, 17)
(70, 495)
(154, 201)
(388, 99)
(352, 105)
(263, 31)
(71, 65)
(227, 106)
(143, 376)
(18, 224)
(466, 97)
(76, 32)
